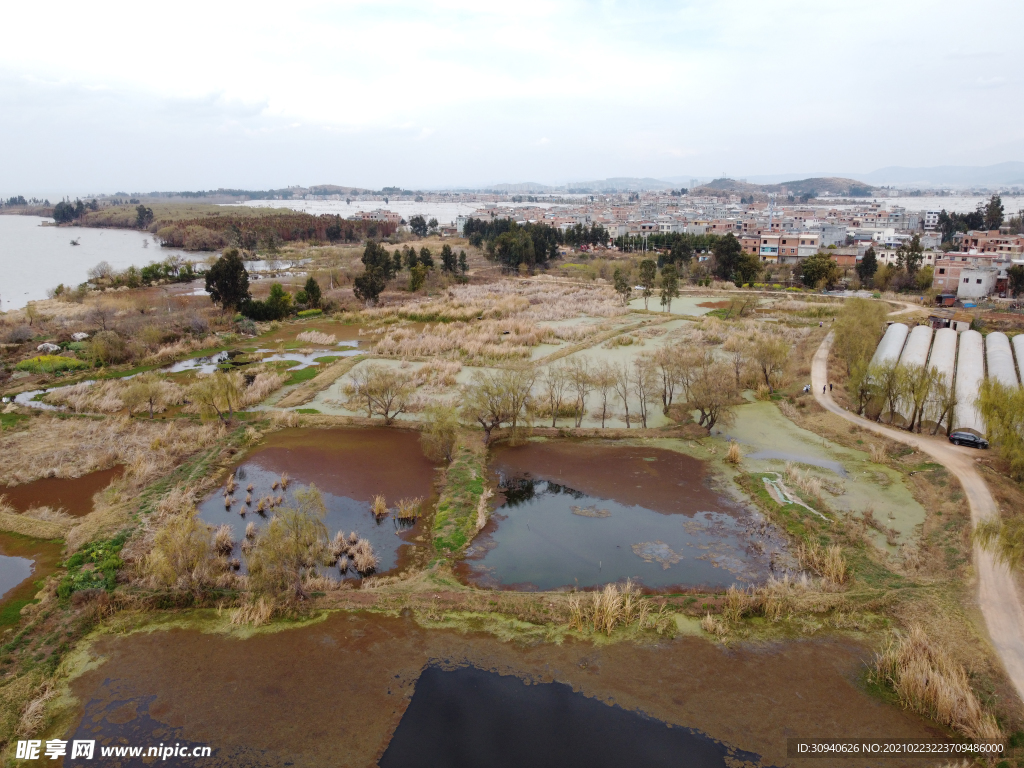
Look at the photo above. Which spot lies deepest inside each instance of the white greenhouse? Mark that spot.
(970, 372)
(891, 345)
(1000, 359)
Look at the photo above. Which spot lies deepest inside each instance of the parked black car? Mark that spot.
(968, 439)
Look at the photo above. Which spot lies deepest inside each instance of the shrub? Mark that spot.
(310, 313)
(107, 348)
(20, 335)
(50, 364)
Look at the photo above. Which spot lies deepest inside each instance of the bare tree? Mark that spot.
(645, 383)
(388, 391)
(738, 348)
(712, 392)
(604, 383)
(496, 397)
(555, 381)
(945, 403)
(216, 393)
(623, 384)
(581, 380)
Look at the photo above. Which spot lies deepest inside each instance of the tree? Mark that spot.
(909, 256)
(217, 393)
(604, 382)
(623, 386)
(994, 213)
(411, 257)
(669, 286)
(622, 286)
(291, 547)
(432, 226)
(513, 249)
(770, 353)
(182, 554)
(279, 302)
(858, 328)
(147, 389)
(867, 266)
(418, 226)
(449, 262)
(681, 251)
(1002, 408)
(396, 261)
(648, 274)
(555, 382)
(385, 390)
(645, 384)
(581, 381)
(738, 347)
(748, 269)
(441, 432)
(379, 268)
(819, 270)
(227, 281)
(497, 397)
(916, 383)
(143, 216)
(945, 400)
(886, 386)
(313, 294)
(711, 392)
(417, 277)
(727, 251)
(463, 264)
(1016, 276)
(426, 259)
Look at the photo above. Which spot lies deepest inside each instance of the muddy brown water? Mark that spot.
(583, 514)
(337, 692)
(349, 466)
(72, 494)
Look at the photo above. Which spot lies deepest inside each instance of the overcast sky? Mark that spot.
(136, 96)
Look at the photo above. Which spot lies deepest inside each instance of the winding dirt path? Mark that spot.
(997, 594)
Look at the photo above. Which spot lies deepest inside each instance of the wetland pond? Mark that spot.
(72, 494)
(358, 689)
(585, 514)
(349, 466)
(23, 562)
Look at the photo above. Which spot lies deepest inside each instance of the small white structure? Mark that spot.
(80, 336)
(1000, 359)
(891, 345)
(970, 372)
(48, 348)
(977, 282)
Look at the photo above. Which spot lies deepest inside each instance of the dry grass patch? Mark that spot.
(616, 605)
(928, 681)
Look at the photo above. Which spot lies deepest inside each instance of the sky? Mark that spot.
(130, 96)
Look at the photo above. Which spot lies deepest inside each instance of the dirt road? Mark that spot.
(997, 594)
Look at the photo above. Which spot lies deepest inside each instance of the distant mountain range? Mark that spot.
(938, 177)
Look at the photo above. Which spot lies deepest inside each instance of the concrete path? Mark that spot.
(997, 593)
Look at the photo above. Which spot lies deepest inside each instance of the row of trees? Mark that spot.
(987, 216)
(267, 231)
(227, 282)
(381, 266)
(513, 245)
(687, 377)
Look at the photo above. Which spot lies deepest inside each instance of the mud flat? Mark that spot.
(586, 513)
(337, 691)
(349, 467)
(72, 494)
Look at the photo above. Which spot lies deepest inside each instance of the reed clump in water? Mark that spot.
(379, 507)
(930, 682)
(713, 626)
(255, 611)
(614, 606)
(284, 481)
(734, 456)
(363, 557)
(408, 509)
(222, 541)
(805, 481)
(317, 337)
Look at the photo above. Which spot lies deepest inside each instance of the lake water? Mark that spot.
(951, 204)
(35, 258)
(445, 213)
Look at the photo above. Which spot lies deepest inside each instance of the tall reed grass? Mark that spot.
(614, 606)
(930, 682)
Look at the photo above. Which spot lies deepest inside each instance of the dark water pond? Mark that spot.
(585, 515)
(13, 571)
(468, 717)
(349, 467)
